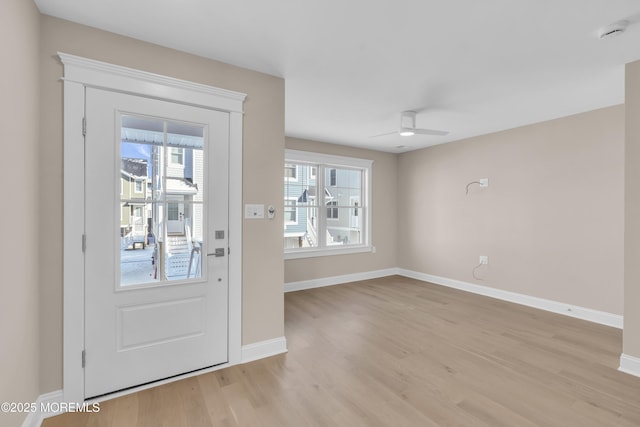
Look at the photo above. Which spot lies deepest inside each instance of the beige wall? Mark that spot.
(19, 370)
(263, 267)
(551, 220)
(384, 184)
(631, 337)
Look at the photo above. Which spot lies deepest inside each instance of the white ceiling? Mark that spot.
(351, 66)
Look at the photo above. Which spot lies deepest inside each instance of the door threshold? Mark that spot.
(156, 383)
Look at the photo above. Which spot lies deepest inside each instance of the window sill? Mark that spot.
(313, 252)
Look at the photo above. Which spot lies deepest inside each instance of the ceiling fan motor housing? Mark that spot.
(408, 120)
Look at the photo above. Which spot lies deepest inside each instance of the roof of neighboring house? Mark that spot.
(135, 168)
(180, 186)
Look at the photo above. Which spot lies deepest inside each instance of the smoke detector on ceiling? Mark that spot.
(613, 30)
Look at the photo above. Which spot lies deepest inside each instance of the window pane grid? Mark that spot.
(162, 223)
(332, 218)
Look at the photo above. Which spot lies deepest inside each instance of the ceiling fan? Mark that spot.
(408, 127)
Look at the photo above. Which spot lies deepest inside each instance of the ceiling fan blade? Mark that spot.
(384, 134)
(430, 132)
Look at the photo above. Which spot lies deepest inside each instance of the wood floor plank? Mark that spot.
(397, 351)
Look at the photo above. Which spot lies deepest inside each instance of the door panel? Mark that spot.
(145, 325)
(156, 305)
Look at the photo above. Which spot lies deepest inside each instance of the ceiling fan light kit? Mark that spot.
(408, 120)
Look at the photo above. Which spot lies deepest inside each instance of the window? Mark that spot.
(138, 186)
(176, 156)
(173, 210)
(290, 212)
(332, 212)
(326, 204)
(291, 172)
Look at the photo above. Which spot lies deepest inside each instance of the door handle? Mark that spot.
(218, 252)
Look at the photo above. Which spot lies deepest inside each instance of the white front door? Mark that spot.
(158, 310)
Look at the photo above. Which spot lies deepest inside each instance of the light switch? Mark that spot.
(253, 211)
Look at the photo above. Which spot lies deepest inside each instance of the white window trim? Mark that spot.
(365, 207)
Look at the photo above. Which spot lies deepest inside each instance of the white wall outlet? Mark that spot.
(484, 260)
(484, 182)
(254, 211)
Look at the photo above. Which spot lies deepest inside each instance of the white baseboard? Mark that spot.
(588, 314)
(262, 349)
(629, 365)
(43, 402)
(338, 280)
(583, 313)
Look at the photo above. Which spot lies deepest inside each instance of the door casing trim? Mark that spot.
(80, 73)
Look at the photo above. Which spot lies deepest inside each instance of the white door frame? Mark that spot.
(80, 73)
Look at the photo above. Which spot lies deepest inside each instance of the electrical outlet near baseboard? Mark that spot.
(484, 259)
(484, 182)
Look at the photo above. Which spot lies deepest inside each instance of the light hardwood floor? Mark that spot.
(399, 352)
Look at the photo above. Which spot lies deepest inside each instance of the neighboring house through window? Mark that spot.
(326, 204)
